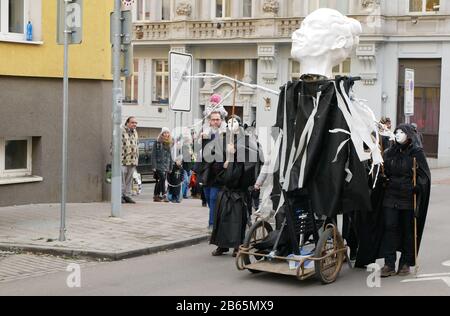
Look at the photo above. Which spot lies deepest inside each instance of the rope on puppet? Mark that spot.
(208, 75)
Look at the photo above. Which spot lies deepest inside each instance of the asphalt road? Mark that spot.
(193, 271)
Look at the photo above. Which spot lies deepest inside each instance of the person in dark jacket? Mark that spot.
(398, 202)
(211, 165)
(162, 163)
(175, 181)
(231, 212)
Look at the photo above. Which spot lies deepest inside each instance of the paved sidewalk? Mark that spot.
(144, 228)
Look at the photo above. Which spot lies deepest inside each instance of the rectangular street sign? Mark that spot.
(71, 20)
(409, 92)
(180, 68)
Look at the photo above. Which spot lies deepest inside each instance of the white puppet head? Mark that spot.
(325, 39)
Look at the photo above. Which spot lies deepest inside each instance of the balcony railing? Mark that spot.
(278, 28)
(216, 30)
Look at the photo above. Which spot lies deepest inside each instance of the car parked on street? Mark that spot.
(145, 167)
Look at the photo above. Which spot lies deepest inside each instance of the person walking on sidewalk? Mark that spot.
(210, 167)
(162, 163)
(130, 157)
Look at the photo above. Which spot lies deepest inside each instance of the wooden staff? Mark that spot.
(416, 268)
(233, 110)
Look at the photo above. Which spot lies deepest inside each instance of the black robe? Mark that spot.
(231, 212)
(371, 226)
(324, 179)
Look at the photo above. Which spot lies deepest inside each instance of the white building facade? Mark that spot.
(251, 40)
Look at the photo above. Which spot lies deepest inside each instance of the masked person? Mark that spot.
(231, 212)
(398, 202)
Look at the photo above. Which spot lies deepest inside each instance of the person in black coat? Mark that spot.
(175, 181)
(231, 211)
(398, 202)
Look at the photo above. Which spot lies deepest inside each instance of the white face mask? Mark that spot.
(400, 137)
(233, 126)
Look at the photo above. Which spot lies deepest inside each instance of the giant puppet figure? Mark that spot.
(326, 150)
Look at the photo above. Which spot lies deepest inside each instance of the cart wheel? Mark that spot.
(327, 270)
(257, 233)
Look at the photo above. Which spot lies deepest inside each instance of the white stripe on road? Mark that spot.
(445, 277)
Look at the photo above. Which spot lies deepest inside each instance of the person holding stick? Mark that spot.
(405, 203)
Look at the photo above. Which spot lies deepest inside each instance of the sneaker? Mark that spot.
(387, 272)
(219, 252)
(157, 199)
(129, 200)
(404, 270)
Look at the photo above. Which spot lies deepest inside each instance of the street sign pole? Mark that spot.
(116, 187)
(69, 31)
(62, 231)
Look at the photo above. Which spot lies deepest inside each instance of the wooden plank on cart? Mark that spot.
(278, 267)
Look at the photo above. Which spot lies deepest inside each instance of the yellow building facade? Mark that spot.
(31, 98)
(44, 57)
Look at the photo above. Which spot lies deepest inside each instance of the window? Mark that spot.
(295, 70)
(132, 85)
(232, 68)
(13, 19)
(15, 157)
(247, 9)
(161, 82)
(223, 9)
(165, 10)
(142, 10)
(343, 69)
(341, 6)
(424, 6)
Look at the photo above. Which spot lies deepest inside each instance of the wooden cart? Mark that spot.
(328, 256)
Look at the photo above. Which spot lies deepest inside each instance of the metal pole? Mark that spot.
(408, 119)
(62, 230)
(116, 180)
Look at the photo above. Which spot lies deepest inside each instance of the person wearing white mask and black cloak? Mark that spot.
(231, 213)
(398, 202)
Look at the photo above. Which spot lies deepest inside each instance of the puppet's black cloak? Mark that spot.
(336, 183)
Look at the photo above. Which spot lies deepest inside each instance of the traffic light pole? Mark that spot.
(116, 187)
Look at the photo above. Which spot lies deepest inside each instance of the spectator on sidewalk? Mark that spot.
(130, 157)
(162, 163)
(175, 181)
(187, 152)
(210, 167)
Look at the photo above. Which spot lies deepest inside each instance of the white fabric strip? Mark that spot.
(304, 138)
(285, 133)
